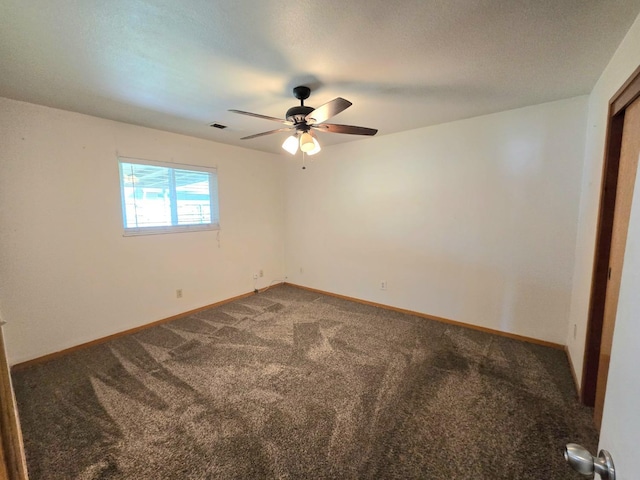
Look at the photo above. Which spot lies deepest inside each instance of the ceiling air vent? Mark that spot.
(218, 125)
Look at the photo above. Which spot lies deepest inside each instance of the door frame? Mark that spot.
(12, 454)
(629, 92)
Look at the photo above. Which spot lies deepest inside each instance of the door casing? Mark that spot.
(624, 97)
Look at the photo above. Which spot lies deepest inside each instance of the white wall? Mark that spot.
(473, 221)
(621, 66)
(67, 275)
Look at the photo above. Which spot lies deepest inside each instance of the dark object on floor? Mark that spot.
(294, 384)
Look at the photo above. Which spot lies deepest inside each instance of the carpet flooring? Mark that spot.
(290, 384)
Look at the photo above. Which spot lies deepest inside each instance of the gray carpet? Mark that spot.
(289, 384)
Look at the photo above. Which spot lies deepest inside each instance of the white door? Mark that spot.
(620, 432)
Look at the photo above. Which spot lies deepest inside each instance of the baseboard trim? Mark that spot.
(433, 317)
(66, 351)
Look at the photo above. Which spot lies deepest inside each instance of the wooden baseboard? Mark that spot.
(66, 351)
(437, 319)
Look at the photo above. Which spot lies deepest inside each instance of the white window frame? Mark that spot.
(154, 230)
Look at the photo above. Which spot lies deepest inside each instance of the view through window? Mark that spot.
(158, 197)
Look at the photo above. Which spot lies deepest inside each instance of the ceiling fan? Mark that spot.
(303, 120)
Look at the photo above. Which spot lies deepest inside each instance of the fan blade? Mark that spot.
(328, 110)
(257, 115)
(349, 129)
(266, 133)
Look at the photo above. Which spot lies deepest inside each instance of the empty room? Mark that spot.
(257, 239)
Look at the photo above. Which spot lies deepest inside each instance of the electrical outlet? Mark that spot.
(179, 293)
(255, 276)
(261, 273)
(383, 285)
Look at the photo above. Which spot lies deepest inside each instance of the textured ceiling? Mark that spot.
(180, 65)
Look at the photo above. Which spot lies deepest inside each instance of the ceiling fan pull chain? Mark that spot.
(304, 157)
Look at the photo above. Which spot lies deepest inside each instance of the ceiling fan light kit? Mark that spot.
(308, 144)
(291, 144)
(303, 119)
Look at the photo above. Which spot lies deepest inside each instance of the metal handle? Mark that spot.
(583, 462)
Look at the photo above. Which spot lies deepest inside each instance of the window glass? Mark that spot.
(160, 198)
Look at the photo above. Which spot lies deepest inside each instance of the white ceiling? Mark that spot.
(180, 65)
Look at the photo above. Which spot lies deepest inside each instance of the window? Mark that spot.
(162, 197)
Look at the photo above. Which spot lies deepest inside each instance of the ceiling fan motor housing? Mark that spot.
(297, 115)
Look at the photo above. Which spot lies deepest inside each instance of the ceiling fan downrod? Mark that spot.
(297, 115)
